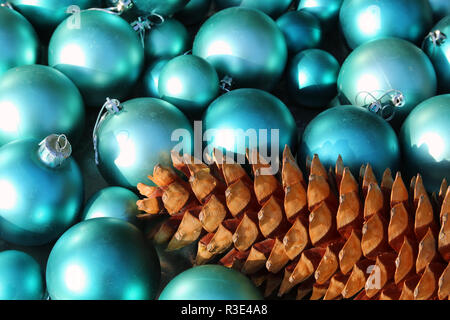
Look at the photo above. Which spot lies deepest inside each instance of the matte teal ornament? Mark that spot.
(194, 12)
(437, 47)
(425, 141)
(210, 282)
(41, 190)
(312, 78)
(366, 20)
(18, 40)
(188, 82)
(103, 56)
(273, 8)
(440, 8)
(230, 116)
(20, 277)
(137, 135)
(103, 259)
(244, 44)
(151, 77)
(326, 10)
(36, 101)
(356, 134)
(301, 29)
(392, 71)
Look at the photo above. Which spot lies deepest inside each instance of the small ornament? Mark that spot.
(273, 8)
(151, 78)
(194, 12)
(326, 10)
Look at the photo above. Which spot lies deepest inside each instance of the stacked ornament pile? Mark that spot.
(225, 104)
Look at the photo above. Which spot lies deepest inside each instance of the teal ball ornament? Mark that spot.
(140, 134)
(20, 277)
(210, 282)
(244, 44)
(188, 82)
(194, 12)
(312, 78)
(151, 78)
(392, 71)
(425, 141)
(327, 11)
(36, 101)
(273, 8)
(365, 20)
(18, 39)
(441, 8)
(103, 259)
(28, 215)
(358, 135)
(103, 56)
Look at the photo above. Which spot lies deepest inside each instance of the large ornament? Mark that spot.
(326, 10)
(19, 40)
(210, 282)
(425, 141)
(312, 78)
(441, 8)
(103, 56)
(273, 8)
(245, 45)
(135, 136)
(41, 190)
(365, 20)
(20, 277)
(36, 101)
(103, 259)
(194, 11)
(188, 82)
(151, 78)
(389, 71)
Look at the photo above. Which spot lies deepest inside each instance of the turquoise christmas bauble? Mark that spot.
(273, 8)
(312, 78)
(41, 190)
(210, 282)
(440, 8)
(387, 70)
(366, 20)
(356, 134)
(249, 118)
(151, 78)
(188, 82)
(326, 10)
(425, 141)
(18, 40)
(36, 101)
(103, 57)
(244, 44)
(20, 277)
(194, 12)
(103, 259)
(141, 135)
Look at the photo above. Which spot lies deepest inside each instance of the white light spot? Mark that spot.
(72, 55)
(75, 278)
(127, 154)
(219, 48)
(8, 195)
(174, 86)
(369, 21)
(435, 144)
(9, 117)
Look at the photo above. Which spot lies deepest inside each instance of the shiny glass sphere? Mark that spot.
(273, 8)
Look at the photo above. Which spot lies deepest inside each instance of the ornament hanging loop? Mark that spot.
(437, 37)
(386, 109)
(226, 83)
(146, 23)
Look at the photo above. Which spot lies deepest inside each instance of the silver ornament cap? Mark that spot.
(54, 150)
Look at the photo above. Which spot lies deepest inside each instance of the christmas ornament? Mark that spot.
(102, 56)
(194, 11)
(36, 101)
(273, 8)
(103, 259)
(151, 77)
(301, 30)
(312, 78)
(390, 73)
(364, 20)
(326, 10)
(210, 282)
(137, 8)
(243, 44)
(131, 138)
(250, 112)
(19, 40)
(425, 137)
(29, 216)
(440, 8)
(112, 202)
(188, 82)
(437, 47)
(20, 277)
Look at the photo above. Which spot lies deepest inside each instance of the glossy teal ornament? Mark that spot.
(20, 277)
(441, 8)
(326, 10)
(392, 71)
(301, 29)
(151, 78)
(244, 44)
(273, 8)
(210, 282)
(437, 47)
(230, 116)
(36, 101)
(103, 56)
(41, 190)
(312, 78)
(18, 40)
(356, 134)
(135, 136)
(103, 259)
(188, 82)
(194, 12)
(425, 141)
(366, 20)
